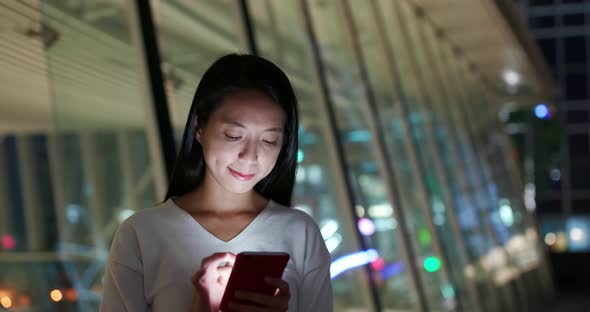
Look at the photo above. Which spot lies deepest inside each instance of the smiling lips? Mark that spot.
(241, 176)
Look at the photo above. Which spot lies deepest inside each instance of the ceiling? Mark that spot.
(74, 66)
(492, 37)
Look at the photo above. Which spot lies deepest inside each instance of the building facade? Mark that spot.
(560, 28)
(402, 162)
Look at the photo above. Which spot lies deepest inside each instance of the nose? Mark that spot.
(249, 152)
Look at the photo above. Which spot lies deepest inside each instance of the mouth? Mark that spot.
(240, 176)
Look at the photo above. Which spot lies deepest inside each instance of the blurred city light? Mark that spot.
(380, 211)
(511, 77)
(576, 234)
(529, 197)
(8, 242)
(124, 214)
(378, 264)
(366, 226)
(392, 270)
(561, 243)
(555, 175)
(506, 213)
(300, 156)
(578, 228)
(70, 294)
(448, 291)
(382, 225)
(431, 264)
(333, 242)
(359, 136)
(328, 228)
(542, 111)
(6, 302)
(360, 210)
(424, 237)
(352, 261)
(550, 238)
(305, 208)
(56, 295)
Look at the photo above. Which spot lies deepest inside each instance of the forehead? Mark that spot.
(251, 106)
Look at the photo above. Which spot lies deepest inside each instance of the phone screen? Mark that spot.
(249, 271)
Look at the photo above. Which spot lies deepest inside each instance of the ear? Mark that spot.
(197, 131)
(198, 135)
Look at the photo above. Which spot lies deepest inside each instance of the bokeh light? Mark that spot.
(56, 295)
(6, 302)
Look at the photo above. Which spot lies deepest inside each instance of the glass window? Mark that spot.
(577, 117)
(542, 21)
(435, 145)
(575, 50)
(581, 206)
(578, 145)
(70, 169)
(576, 19)
(319, 191)
(421, 193)
(580, 170)
(548, 205)
(549, 49)
(354, 127)
(192, 35)
(576, 86)
(541, 2)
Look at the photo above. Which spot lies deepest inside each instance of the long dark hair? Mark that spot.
(229, 74)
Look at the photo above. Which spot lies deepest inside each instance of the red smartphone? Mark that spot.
(249, 271)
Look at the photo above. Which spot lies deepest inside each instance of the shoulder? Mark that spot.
(291, 216)
(132, 234)
(147, 217)
(146, 224)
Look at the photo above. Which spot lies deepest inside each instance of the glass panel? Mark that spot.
(192, 35)
(71, 168)
(354, 126)
(475, 212)
(282, 39)
(416, 191)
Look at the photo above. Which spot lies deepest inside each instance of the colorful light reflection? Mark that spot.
(352, 261)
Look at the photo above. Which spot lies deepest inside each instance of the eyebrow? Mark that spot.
(237, 124)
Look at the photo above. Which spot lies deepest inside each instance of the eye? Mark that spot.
(271, 143)
(232, 138)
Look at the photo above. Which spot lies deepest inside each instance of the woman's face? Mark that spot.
(242, 140)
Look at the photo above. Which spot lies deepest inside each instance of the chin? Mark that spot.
(239, 187)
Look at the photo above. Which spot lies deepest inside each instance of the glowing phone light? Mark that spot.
(352, 261)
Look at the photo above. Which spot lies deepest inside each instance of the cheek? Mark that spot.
(270, 159)
(219, 151)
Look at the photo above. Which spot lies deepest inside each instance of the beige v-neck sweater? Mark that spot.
(156, 252)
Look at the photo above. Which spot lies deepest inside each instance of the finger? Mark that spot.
(282, 285)
(263, 300)
(216, 257)
(225, 271)
(197, 277)
(222, 280)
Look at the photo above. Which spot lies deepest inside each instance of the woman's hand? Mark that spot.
(254, 302)
(210, 282)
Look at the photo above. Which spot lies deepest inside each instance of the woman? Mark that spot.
(229, 192)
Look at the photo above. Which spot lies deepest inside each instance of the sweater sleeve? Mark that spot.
(123, 279)
(316, 290)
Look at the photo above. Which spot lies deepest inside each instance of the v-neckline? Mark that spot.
(257, 219)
